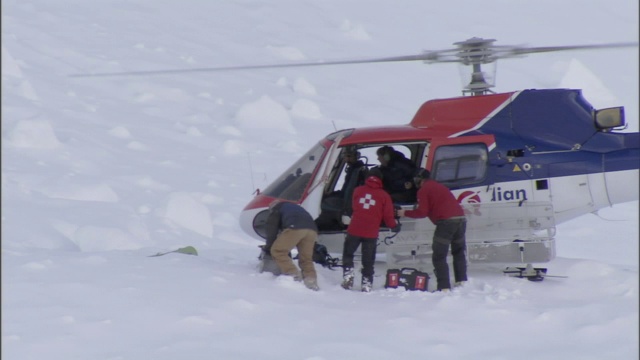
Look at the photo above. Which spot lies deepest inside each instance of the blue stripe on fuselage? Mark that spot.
(555, 131)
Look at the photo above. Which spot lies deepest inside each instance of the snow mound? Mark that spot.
(354, 31)
(287, 52)
(303, 87)
(265, 113)
(306, 109)
(33, 134)
(82, 192)
(186, 211)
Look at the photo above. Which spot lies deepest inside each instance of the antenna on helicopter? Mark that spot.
(473, 52)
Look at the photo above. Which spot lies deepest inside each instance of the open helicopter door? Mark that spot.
(314, 195)
(332, 230)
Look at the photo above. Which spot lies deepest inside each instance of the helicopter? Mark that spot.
(518, 162)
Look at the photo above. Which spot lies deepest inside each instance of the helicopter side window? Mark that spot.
(458, 165)
(292, 183)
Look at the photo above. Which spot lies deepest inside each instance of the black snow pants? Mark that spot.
(450, 232)
(368, 250)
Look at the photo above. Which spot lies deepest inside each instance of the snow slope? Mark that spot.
(100, 173)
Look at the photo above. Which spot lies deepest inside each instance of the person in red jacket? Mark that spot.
(371, 204)
(438, 203)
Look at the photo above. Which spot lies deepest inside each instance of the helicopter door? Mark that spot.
(312, 202)
(569, 192)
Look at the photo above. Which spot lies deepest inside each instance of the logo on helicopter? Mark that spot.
(507, 195)
(470, 197)
(497, 195)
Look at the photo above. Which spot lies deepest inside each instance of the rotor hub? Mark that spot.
(476, 51)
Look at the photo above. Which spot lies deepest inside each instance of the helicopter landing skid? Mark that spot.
(529, 272)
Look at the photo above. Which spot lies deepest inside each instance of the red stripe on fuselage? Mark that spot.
(458, 114)
(259, 201)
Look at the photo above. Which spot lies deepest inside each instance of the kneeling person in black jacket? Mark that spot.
(289, 226)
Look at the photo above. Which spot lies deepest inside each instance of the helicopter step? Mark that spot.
(529, 272)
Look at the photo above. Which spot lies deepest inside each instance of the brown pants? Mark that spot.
(304, 240)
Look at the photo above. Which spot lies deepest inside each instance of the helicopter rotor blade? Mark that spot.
(475, 50)
(532, 50)
(253, 67)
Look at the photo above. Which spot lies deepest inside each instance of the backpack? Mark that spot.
(321, 256)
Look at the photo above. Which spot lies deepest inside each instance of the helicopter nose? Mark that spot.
(248, 222)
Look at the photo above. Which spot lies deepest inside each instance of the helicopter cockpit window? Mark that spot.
(292, 183)
(458, 165)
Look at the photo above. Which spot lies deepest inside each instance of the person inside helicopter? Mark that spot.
(398, 174)
(355, 174)
(338, 203)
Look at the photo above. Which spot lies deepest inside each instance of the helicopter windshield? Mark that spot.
(292, 183)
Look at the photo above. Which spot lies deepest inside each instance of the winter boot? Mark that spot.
(367, 284)
(311, 284)
(267, 264)
(347, 278)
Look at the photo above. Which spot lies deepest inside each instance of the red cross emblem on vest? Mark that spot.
(367, 201)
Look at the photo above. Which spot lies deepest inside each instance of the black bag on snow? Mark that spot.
(409, 278)
(321, 256)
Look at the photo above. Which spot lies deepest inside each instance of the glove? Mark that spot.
(395, 211)
(397, 228)
(266, 250)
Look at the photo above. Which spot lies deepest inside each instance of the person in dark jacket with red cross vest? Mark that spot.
(438, 203)
(371, 205)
